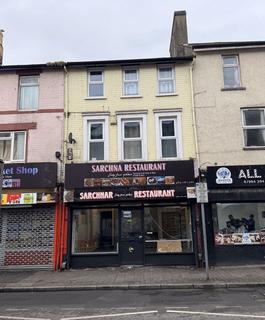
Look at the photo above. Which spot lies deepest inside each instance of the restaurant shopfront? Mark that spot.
(236, 214)
(130, 213)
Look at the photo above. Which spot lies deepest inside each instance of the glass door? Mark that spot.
(131, 237)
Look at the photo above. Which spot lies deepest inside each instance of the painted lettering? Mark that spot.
(8, 171)
(95, 195)
(23, 170)
(248, 174)
(154, 194)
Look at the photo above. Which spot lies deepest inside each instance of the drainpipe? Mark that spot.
(194, 122)
(1, 46)
(66, 111)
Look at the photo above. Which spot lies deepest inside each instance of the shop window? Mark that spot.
(254, 127)
(95, 231)
(239, 223)
(12, 146)
(168, 135)
(231, 71)
(167, 229)
(28, 93)
(132, 138)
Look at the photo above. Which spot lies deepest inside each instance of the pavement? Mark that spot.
(131, 277)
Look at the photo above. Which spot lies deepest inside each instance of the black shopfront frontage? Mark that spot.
(133, 213)
(236, 214)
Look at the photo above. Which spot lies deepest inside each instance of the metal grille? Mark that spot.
(29, 234)
(1, 224)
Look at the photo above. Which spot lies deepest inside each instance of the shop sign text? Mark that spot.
(236, 176)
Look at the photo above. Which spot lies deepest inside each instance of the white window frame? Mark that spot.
(12, 138)
(236, 66)
(95, 82)
(246, 127)
(128, 81)
(28, 85)
(176, 116)
(143, 134)
(173, 78)
(87, 120)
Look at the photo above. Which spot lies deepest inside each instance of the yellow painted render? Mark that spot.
(79, 103)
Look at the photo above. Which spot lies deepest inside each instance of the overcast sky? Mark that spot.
(38, 31)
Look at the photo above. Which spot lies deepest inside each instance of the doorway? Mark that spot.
(131, 236)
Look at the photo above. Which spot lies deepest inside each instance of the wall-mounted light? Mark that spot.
(71, 140)
(58, 155)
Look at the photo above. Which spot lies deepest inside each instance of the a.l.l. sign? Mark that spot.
(236, 176)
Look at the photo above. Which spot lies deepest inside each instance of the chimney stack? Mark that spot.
(179, 46)
(1, 47)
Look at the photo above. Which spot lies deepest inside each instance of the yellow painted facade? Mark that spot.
(78, 103)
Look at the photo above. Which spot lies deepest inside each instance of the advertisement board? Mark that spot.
(27, 198)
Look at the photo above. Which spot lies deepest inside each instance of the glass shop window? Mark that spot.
(95, 230)
(239, 223)
(167, 229)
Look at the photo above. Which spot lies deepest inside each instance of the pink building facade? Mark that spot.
(31, 145)
(42, 119)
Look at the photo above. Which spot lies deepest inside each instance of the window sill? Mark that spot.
(253, 148)
(169, 159)
(14, 161)
(28, 110)
(132, 96)
(233, 89)
(166, 94)
(95, 98)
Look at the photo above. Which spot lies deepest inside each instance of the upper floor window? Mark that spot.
(231, 71)
(168, 135)
(166, 80)
(132, 137)
(254, 127)
(96, 83)
(12, 146)
(28, 93)
(96, 138)
(130, 82)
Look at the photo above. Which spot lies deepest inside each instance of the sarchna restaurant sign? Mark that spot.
(128, 180)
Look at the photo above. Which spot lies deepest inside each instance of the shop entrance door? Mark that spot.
(131, 237)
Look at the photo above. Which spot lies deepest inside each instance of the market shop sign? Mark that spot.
(30, 175)
(236, 176)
